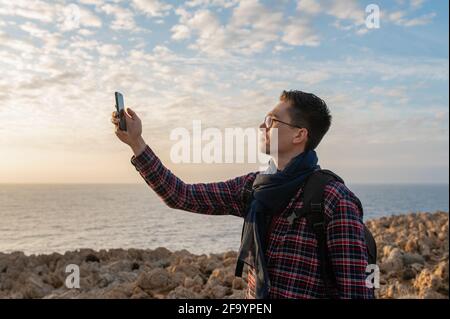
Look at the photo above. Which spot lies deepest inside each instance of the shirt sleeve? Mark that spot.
(220, 198)
(346, 246)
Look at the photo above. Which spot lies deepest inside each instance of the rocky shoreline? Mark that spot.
(412, 255)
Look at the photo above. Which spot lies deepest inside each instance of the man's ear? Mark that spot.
(301, 136)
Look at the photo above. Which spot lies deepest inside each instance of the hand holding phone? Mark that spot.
(120, 106)
(128, 126)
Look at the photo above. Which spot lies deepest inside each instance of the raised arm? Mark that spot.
(221, 198)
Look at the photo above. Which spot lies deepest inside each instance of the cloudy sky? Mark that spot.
(224, 63)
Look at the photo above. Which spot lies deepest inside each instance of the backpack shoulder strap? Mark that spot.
(315, 186)
(313, 193)
(313, 211)
(247, 198)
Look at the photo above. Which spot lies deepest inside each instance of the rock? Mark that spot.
(409, 259)
(158, 278)
(230, 254)
(122, 291)
(182, 293)
(430, 294)
(442, 236)
(413, 257)
(92, 258)
(219, 274)
(427, 280)
(411, 246)
(188, 282)
(119, 265)
(197, 288)
(219, 291)
(158, 254)
(441, 270)
(53, 280)
(417, 268)
(188, 269)
(34, 287)
(125, 276)
(178, 278)
(215, 291)
(208, 265)
(138, 293)
(424, 250)
(135, 266)
(228, 280)
(236, 294)
(238, 283)
(408, 274)
(394, 262)
(191, 282)
(387, 250)
(230, 261)
(67, 294)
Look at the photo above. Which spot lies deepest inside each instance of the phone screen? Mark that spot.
(121, 109)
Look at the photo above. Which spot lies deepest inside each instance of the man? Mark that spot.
(281, 254)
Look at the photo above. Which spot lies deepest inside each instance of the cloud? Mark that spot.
(34, 30)
(398, 18)
(312, 77)
(36, 10)
(250, 29)
(21, 46)
(309, 6)
(61, 79)
(211, 3)
(299, 32)
(398, 93)
(203, 23)
(232, 79)
(49, 39)
(152, 8)
(350, 10)
(73, 17)
(109, 49)
(180, 32)
(69, 16)
(281, 48)
(416, 3)
(348, 15)
(89, 19)
(85, 32)
(123, 18)
(92, 2)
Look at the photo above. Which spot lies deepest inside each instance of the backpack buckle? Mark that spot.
(318, 226)
(316, 207)
(291, 218)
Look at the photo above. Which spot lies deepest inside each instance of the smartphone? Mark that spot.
(120, 106)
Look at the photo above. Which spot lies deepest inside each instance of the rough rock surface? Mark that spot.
(412, 255)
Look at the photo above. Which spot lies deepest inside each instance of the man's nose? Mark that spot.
(262, 125)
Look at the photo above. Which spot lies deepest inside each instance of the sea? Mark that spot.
(46, 218)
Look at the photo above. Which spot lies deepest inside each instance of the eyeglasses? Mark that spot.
(268, 121)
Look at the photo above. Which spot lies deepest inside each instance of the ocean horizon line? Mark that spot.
(140, 183)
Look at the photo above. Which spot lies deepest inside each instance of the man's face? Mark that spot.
(289, 137)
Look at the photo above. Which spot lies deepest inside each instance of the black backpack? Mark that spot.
(313, 211)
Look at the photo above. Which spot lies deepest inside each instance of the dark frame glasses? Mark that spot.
(268, 122)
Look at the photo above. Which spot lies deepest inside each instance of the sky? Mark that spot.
(224, 63)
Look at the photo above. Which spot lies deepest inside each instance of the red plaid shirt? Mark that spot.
(292, 257)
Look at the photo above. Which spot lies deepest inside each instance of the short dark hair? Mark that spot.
(309, 111)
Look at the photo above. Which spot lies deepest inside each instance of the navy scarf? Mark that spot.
(272, 191)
